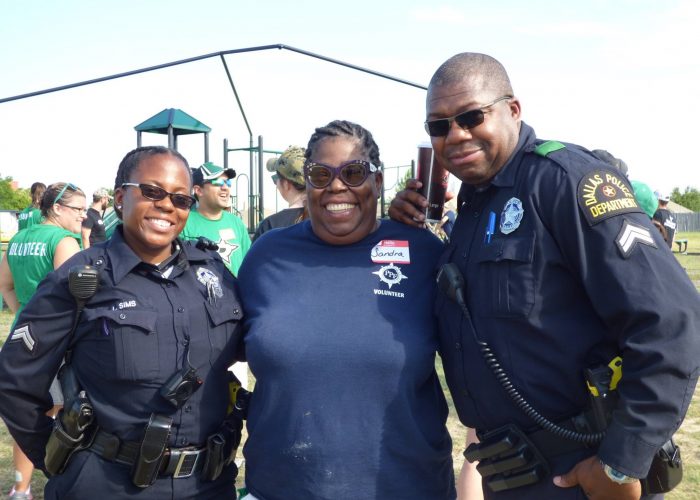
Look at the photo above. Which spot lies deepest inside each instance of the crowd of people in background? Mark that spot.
(148, 311)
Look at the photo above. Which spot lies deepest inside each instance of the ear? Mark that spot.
(378, 181)
(514, 105)
(119, 201)
(197, 190)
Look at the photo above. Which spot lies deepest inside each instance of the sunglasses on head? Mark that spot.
(155, 193)
(73, 187)
(352, 173)
(466, 120)
(220, 181)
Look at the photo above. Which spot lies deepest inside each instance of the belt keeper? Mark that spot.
(110, 446)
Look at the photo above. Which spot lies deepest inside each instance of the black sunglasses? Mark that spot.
(155, 193)
(352, 173)
(466, 120)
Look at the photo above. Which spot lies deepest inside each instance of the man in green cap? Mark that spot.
(289, 178)
(211, 219)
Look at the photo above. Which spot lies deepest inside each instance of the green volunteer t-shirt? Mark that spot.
(228, 232)
(28, 217)
(30, 256)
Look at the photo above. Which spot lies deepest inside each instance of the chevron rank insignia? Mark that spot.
(632, 235)
(23, 334)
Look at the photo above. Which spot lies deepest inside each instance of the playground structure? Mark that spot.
(174, 122)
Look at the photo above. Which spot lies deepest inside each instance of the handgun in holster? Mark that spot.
(152, 450)
(507, 459)
(222, 446)
(72, 428)
(666, 470)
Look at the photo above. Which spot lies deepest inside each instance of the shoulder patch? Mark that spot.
(603, 194)
(632, 235)
(24, 335)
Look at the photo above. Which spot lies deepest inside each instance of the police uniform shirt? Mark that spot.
(134, 333)
(573, 274)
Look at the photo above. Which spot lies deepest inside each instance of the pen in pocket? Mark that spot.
(490, 228)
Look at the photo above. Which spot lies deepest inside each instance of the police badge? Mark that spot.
(211, 281)
(512, 215)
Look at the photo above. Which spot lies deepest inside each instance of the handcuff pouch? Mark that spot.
(152, 450)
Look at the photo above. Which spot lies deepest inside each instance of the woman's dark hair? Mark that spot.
(37, 191)
(63, 189)
(133, 159)
(343, 128)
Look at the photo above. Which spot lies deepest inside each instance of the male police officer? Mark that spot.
(556, 256)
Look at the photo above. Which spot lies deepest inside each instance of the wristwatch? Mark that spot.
(617, 476)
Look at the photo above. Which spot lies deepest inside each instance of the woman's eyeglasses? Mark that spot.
(155, 193)
(466, 120)
(352, 173)
(220, 181)
(79, 210)
(73, 187)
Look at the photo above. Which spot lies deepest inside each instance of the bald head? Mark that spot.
(483, 72)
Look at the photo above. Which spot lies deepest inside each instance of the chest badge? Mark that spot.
(211, 281)
(512, 215)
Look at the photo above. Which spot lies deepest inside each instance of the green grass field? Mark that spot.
(688, 437)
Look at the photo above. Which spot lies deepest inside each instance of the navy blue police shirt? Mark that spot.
(573, 274)
(133, 334)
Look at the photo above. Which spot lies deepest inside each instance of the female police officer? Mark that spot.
(150, 350)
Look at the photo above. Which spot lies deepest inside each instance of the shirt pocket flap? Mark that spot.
(223, 312)
(519, 249)
(143, 319)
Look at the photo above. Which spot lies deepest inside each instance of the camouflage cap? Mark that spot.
(289, 165)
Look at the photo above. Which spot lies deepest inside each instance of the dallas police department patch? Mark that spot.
(512, 215)
(603, 194)
(390, 275)
(632, 235)
(23, 334)
(210, 280)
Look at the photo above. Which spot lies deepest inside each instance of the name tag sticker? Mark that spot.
(227, 234)
(391, 251)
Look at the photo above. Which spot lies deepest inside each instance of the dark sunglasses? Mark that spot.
(352, 173)
(220, 181)
(155, 193)
(466, 120)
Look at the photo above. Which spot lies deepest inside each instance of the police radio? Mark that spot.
(505, 449)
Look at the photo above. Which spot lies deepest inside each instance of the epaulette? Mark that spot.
(548, 147)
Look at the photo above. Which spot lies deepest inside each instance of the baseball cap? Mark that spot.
(645, 197)
(289, 165)
(208, 171)
(101, 193)
(662, 196)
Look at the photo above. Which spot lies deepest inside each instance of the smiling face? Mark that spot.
(341, 215)
(213, 198)
(474, 155)
(151, 226)
(70, 212)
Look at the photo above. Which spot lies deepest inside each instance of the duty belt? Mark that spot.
(177, 462)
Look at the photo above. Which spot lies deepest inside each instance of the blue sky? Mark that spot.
(618, 75)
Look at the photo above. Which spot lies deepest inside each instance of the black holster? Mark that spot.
(222, 446)
(151, 451)
(507, 459)
(71, 431)
(666, 471)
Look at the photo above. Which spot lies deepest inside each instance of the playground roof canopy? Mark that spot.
(181, 123)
